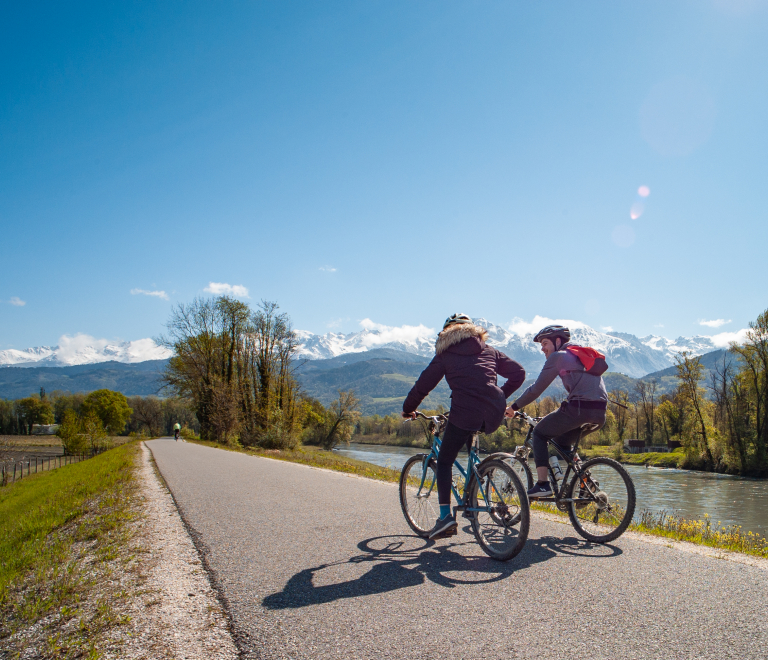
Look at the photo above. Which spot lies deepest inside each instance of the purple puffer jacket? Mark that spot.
(470, 367)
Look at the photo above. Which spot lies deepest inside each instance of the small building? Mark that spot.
(44, 429)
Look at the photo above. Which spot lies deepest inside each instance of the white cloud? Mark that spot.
(716, 323)
(659, 325)
(607, 328)
(522, 328)
(327, 269)
(72, 348)
(724, 339)
(17, 302)
(385, 334)
(224, 289)
(144, 292)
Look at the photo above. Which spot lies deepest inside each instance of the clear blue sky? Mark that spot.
(396, 161)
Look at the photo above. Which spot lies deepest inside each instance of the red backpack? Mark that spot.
(593, 361)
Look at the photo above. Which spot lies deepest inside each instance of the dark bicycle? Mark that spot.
(489, 493)
(598, 494)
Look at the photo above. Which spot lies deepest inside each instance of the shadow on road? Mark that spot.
(402, 561)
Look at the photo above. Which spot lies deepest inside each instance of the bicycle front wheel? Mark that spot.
(500, 513)
(418, 494)
(603, 500)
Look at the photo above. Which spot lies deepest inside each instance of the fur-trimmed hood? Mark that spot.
(454, 334)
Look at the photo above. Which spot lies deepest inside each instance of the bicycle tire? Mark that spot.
(522, 469)
(502, 530)
(586, 518)
(420, 512)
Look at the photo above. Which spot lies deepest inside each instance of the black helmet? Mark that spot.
(453, 319)
(552, 332)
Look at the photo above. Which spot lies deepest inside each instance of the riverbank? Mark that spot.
(677, 459)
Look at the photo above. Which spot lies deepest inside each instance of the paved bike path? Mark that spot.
(317, 564)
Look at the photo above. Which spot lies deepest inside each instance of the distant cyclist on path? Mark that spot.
(176, 430)
(477, 403)
(586, 403)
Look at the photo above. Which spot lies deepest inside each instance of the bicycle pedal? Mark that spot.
(469, 515)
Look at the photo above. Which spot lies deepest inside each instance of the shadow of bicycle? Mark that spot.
(402, 561)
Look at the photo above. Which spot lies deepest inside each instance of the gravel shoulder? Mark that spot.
(175, 612)
(316, 564)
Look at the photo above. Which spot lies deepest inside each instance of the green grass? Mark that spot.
(703, 532)
(49, 523)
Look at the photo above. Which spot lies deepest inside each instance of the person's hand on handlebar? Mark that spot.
(406, 415)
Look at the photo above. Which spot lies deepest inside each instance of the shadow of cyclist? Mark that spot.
(401, 561)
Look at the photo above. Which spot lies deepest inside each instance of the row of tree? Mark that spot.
(719, 417)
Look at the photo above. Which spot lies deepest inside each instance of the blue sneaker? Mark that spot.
(444, 526)
(540, 490)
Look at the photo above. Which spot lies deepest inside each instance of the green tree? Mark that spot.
(111, 408)
(32, 410)
(689, 371)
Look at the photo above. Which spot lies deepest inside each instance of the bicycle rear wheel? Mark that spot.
(501, 518)
(419, 500)
(605, 500)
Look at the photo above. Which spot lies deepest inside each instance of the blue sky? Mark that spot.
(396, 161)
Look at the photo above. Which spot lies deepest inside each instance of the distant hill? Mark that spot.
(141, 378)
(381, 378)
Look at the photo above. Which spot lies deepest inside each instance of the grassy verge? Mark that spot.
(59, 533)
(703, 532)
(316, 457)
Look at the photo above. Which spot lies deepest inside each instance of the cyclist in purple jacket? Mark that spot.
(470, 367)
(586, 403)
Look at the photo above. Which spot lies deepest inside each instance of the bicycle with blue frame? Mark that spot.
(489, 493)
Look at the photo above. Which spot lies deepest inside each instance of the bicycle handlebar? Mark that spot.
(532, 421)
(434, 418)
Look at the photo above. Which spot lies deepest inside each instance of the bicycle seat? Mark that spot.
(589, 427)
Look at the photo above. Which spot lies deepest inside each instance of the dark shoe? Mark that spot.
(540, 490)
(444, 527)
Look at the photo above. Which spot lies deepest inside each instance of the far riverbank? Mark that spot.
(676, 460)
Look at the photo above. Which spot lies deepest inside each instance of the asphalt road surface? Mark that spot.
(317, 564)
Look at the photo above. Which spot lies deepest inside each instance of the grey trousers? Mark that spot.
(563, 427)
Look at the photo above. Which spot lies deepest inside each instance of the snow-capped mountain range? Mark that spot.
(625, 353)
(83, 349)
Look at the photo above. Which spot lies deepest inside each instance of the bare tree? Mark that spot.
(343, 414)
(689, 371)
(646, 401)
(620, 411)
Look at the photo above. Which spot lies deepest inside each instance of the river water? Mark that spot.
(728, 500)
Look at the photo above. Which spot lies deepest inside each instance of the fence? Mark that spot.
(11, 473)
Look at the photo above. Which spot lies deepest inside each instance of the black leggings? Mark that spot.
(453, 440)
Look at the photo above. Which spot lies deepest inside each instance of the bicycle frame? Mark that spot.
(472, 463)
(572, 466)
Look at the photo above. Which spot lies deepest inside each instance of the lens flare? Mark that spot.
(643, 191)
(637, 210)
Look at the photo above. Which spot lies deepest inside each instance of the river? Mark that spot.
(727, 499)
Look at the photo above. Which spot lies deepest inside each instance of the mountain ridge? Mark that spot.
(626, 353)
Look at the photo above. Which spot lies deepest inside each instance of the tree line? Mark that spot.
(718, 417)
